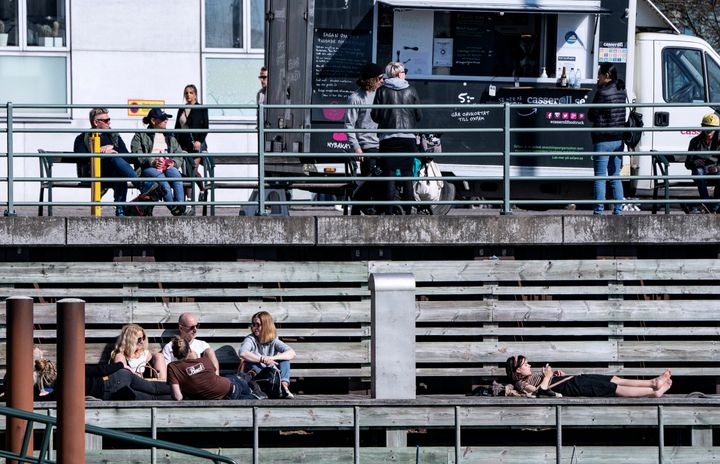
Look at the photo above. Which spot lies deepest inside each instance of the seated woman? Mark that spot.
(157, 165)
(102, 381)
(263, 348)
(131, 350)
(523, 379)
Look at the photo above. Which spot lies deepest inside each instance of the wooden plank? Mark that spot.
(134, 292)
(210, 333)
(591, 288)
(497, 352)
(427, 455)
(666, 351)
(182, 272)
(212, 418)
(314, 353)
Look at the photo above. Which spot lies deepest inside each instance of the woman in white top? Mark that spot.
(131, 350)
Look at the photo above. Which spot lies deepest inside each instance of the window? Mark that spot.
(713, 79)
(235, 24)
(683, 80)
(34, 57)
(234, 35)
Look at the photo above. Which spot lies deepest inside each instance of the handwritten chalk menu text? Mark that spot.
(474, 51)
(338, 56)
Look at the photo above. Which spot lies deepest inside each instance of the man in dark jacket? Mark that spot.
(397, 91)
(701, 164)
(110, 143)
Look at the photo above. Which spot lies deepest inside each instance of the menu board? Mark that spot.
(474, 51)
(338, 56)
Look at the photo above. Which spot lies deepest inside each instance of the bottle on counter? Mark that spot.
(571, 78)
(578, 77)
(563, 81)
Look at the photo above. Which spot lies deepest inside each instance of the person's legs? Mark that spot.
(408, 193)
(117, 380)
(642, 392)
(614, 167)
(146, 386)
(701, 183)
(167, 191)
(284, 367)
(600, 163)
(177, 186)
(655, 383)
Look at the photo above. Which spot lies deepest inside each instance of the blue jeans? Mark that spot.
(241, 390)
(608, 165)
(702, 185)
(120, 168)
(175, 193)
(284, 367)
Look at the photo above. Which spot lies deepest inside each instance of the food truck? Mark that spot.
(471, 52)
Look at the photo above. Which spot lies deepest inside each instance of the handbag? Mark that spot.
(428, 189)
(634, 120)
(268, 379)
(149, 373)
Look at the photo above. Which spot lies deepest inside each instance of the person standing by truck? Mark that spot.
(610, 89)
(701, 164)
(364, 144)
(397, 91)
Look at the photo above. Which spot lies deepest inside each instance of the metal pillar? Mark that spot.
(71, 376)
(20, 368)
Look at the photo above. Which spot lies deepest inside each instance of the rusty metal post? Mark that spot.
(71, 381)
(20, 367)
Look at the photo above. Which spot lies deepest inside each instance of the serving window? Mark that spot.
(483, 43)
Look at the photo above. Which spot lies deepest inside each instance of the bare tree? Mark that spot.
(701, 17)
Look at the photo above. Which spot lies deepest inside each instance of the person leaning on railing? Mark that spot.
(701, 164)
(110, 142)
(159, 166)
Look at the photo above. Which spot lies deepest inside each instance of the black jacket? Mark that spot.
(698, 145)
(396, 118)
(197, 119)
(608, 117)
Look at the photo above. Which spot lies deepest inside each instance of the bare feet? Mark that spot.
(665, 387)
(659, 381)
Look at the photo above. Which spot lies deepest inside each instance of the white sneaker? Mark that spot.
(285, 392)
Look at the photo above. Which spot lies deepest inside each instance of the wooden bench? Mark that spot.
(275, 166)
(626, 317)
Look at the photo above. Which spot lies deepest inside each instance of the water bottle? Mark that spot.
(578, 77)
(543, 74)
(571, 78)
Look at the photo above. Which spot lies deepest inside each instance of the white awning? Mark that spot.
(525, 6)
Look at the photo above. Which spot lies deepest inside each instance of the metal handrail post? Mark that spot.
(356, 425)
(256, 436)
(457, 434)
(558, 436)
(661, 434)
(506, 209)
(10, 211)
(261, 160)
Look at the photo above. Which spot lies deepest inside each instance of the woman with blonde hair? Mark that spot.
(131, 350)
(262, 348)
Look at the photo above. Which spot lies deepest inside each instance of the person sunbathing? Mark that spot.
(557, 383)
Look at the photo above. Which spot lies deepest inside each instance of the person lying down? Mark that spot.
(557, 383)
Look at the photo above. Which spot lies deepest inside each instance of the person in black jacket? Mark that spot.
(701, 164)
(397, 91)
(610, 89)
(194, 142)
(103, 381)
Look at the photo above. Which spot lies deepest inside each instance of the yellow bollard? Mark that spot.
(95, 187)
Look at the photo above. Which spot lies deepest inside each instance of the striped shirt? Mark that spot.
(533, 380)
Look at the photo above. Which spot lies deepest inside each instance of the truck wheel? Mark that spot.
(447, 194)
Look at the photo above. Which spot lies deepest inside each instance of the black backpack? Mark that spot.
(138, 209)
(632, 139)
(268, 379)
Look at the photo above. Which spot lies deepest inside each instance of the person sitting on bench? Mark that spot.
(701, 164)
(557, 383)
(110, 142)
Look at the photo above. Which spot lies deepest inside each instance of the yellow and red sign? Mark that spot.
(140, 106)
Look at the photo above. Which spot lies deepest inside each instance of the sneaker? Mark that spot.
(285, 391)
(178, 210)
(256, 391)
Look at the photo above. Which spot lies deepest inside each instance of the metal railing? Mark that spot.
(49, 422)
(344, 184)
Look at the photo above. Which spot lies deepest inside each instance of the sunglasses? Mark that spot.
(191, 327)
(262, 77)
(141, 339)
(103, 120)
(256, 324)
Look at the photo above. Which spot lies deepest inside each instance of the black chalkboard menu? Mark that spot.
(474, 48)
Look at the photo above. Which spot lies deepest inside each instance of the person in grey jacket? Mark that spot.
(364, 144)
(157, 165)
(397, 91)
(610, 89)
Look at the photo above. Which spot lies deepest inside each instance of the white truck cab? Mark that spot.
(673, 68)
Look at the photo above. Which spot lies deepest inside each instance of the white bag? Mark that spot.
(428, 190)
